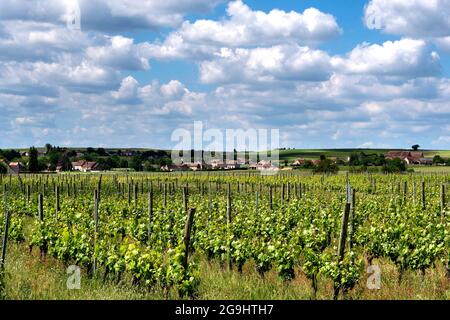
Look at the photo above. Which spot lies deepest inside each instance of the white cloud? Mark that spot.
(412, 18)
(128, 90)
(245, 27)
(403, 58)
(120, 53)
(424, 19)
(106, 15)
(267, 65)
(32, 41)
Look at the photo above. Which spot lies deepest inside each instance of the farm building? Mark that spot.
(410, 157)
(227, 164)
(85, 166)
(16, 167)
(299, 162)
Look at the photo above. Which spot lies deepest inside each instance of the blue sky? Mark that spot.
(327, 74)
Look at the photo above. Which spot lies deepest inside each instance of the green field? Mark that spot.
(252, 237)
(310, 154)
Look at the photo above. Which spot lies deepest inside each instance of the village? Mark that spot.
(54, 160)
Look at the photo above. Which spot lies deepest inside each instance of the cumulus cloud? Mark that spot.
(106, 15)
(41, 78)
(267, 65)
(261, 70)
(424, 19)
(33, 41)
(412, 18)
(120, 53)
(245, 27)
(403, 58)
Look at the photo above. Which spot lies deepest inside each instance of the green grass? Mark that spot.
(431, 169)
(27, 278)
(309, 154)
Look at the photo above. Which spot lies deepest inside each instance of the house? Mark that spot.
(197, 166)
(410, 157)
(174, 167)
(316, 162)
(16, 167)
(227, 164)
(264, 165)
(85, 166)
(299, 162)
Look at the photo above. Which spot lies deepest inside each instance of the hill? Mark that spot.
(310, 154)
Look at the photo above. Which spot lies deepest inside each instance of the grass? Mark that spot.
(28, 278)
(309, 154)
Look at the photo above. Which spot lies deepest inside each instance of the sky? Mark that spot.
(325, 73)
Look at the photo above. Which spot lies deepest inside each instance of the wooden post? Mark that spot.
(405, 191)
(424, 204)
(57, 208)
(351, 220)
(342, 239)
(5, 235)
(41, 207)
(443, 203)
(256, 204)
(288, 186)
(270, 198)
(28, 193)
(343, 235)
(96, 203)
(129, 194)
(150, 212)
(185, 198)
(165, 195)
(229, 220)
(187, 236)
(209, 199)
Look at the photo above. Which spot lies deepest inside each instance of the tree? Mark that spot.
(65, 163)
(309, 165)
(48, 148)
(148, 166)
(136, 163)
(326, 166)
(394, 165)
(415, 147)
(101, 152)
(10, 154)
(3, 168)
(33, 163)
(123, 164)
(438, 159)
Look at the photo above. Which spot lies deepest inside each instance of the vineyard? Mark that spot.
(161, 233)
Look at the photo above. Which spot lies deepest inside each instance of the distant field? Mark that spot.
(292, 155)
(426, 169)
